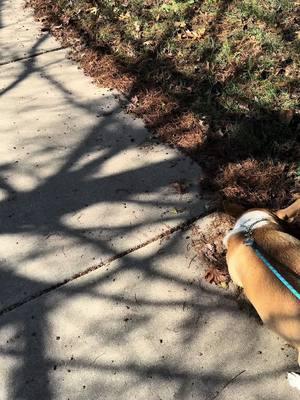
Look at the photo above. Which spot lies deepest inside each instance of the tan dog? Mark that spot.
(276, 305)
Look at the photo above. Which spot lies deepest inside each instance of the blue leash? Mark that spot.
(250, 242)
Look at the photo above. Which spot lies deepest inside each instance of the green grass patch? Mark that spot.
(243, 41)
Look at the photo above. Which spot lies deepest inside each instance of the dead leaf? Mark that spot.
(137, 26)
(93, 10)
(209, 252)
(179, 187)
(134, 100)
(125, 17)
(148, 43)
(216, 276)
(180, 24)
(224, 285)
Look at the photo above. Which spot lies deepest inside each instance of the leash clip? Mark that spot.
(249, 241)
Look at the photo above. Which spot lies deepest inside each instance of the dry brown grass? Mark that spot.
(254, 182)
(208, 245)
(105, 71)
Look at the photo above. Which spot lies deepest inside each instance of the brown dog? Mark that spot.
(277, 306)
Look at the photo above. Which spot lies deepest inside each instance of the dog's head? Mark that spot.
(288, 214)
(288, 218)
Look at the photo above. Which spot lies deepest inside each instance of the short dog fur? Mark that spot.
(278, 308)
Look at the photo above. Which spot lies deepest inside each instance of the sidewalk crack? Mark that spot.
(183, 226)
(31, 56)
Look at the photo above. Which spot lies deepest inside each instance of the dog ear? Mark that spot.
(233, 209)
(289, 213)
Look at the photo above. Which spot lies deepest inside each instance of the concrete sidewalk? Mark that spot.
(81, 181)
(100, 296)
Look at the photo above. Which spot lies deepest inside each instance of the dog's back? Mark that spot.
(274, 302)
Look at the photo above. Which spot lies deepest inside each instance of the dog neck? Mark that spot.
(248, 222)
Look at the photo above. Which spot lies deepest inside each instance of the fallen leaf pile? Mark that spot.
(208, 245)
